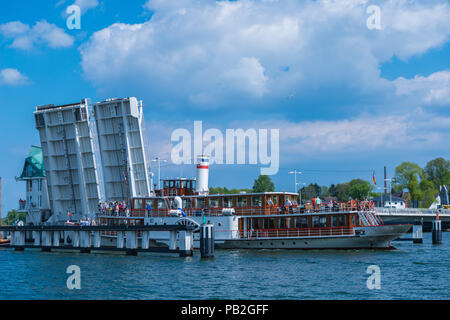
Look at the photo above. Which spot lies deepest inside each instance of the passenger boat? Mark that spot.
(269, 220)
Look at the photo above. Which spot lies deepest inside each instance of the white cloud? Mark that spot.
(204, 52)
(42, 33)
(12, 77)
(86, 5)
(378, 136)
(434, 89)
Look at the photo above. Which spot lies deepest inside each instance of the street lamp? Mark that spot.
(390, 188)
(295, 172)
(159, 160)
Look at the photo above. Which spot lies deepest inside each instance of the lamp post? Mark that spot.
(390, 188)
(159, 160)
(295, 172)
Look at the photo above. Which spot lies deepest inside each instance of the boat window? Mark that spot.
(162, 204)
(148, 204)
(214, 202)
(315, 222)
(275, 199)
(187, 203)
(138, 203)
(257, 201)
(171, 185)
(166, 184)
(193, 184)
(177, 184)
(323, 222)
(184, 184)
(242, 201)
(227, 202)
(201, 203)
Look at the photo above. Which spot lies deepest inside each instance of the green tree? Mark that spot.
(359, 189)
(12, 216)
(342, 192)
(408, 175)
(310, 191)
(263, 184)
(438, 171)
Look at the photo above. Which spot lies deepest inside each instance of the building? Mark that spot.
(123, 148)
(67, 143)
(389, 201)
(36, 203)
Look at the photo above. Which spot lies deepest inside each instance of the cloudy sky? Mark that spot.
(346, 98)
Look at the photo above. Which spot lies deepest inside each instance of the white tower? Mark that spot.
(202, 174)
(70, 165)
(123, 150)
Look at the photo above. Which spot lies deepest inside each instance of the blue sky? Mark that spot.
(347, 100)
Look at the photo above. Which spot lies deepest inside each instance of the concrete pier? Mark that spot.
(88, 238)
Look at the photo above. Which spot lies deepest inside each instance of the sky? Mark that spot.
(347, 99)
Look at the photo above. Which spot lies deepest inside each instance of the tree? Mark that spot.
(12, 216)
(438, 172)
(359, 189)
(310, 191)
(408, 175)
(225, 190)
(342, 192)
(324, 192)
(263, 184)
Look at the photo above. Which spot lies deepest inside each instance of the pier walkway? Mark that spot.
(88, 238)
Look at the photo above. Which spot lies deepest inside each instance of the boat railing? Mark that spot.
(286, 233)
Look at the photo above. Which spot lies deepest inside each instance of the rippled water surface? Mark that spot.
(415, 271)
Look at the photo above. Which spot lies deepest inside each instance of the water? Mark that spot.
(415, 271)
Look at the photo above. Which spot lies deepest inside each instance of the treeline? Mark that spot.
(262, 184)
(422, 184)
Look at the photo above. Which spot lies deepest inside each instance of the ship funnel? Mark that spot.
(202, 174)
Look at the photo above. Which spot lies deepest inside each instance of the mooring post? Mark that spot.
(207, 240)
(56, 238)
(19, 240)
(185, 243)
(131, 240)
(120, 239)
(85, 241)
(172, 240)
(436, 233)
(46, 240)
(144, 240)
(37, 238)
(76, 239)
(417, 235)
(97, 239)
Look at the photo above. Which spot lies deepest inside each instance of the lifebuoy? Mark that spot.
(353, 203)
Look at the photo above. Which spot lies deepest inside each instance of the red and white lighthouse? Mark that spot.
(202, 174)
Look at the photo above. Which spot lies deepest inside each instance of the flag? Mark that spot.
(69, 214)
(373, 179)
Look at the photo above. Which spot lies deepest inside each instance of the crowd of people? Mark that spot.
(113, 208)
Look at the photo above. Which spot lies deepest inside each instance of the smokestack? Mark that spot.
(385, 181)
(202, 174)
